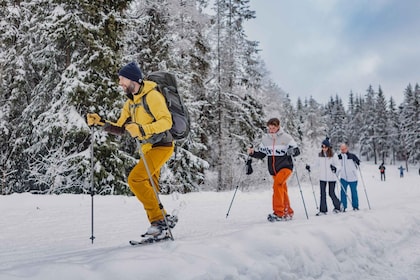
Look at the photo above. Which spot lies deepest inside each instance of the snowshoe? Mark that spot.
(274, 218)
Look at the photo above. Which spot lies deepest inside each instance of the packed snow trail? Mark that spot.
(45, 236)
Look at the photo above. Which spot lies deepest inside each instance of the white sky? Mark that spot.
(327, 47)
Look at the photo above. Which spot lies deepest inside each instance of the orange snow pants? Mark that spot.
(281, 203)
(139, 181)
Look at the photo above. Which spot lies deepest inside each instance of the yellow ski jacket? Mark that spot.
(161, 120)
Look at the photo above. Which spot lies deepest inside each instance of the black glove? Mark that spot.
(249, 167)
(333, 168)
(308, 168)
(290, 151)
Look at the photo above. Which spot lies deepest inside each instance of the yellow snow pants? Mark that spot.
(139, 181)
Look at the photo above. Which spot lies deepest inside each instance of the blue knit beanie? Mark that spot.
(132, 72)
(326, 142)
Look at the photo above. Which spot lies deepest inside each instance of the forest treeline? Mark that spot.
(59, 60)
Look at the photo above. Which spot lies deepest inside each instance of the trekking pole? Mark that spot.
(313, 191)
(247, 164)
(227, 214)
(342, 188)
(300, 188)
(92, 182)
(154, 188)
(364, 187)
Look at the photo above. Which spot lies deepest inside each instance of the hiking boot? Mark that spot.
(274, 218)
(355, 208)
(156, 229)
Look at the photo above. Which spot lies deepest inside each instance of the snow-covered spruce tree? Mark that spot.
(410, 124)
(381, 126)
(314, 126)
(289, 120)
(232, 102)
(74, 48)
(17, 81)
(367, 139)
(336, 121)
(393, 129)
(167, 35)
(189, 60)
(415, 147)
(353, 119)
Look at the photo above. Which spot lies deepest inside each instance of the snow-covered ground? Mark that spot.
(47, 237)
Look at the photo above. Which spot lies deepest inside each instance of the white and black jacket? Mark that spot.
(324, 165)
(275, 147)
(349, 163)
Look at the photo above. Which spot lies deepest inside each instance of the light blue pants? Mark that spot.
(353, 189)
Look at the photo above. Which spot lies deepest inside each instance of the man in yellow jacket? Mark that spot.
(157, 142)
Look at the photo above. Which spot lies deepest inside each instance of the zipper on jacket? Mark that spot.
(273, 157)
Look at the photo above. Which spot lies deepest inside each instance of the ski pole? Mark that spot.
(92, 182)
(342, 188)
(247, 161)
(300, 188)
(364, 187)
(227, 214)
(154, 188)
(313, 191)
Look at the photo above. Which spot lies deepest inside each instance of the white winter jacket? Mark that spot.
(349, 164)
(324, 162)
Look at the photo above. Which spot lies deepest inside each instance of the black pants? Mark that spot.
(331, 192)
(382, 176)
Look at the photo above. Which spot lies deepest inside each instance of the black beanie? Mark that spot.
(326, 142)
(132, 72)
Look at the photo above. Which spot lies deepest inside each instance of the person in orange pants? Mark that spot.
(281, 202)
(279, 148)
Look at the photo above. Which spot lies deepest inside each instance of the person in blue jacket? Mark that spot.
(349, 164)
(401, 171)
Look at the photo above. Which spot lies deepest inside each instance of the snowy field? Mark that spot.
(47, 237)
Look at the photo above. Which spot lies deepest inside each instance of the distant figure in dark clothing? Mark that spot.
(401, 171)
(382, 171)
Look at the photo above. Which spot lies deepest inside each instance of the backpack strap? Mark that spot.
(146, 106)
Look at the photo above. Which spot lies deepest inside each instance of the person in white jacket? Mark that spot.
(349, 163)
(328, 165)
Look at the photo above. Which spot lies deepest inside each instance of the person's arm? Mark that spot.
(256, 154)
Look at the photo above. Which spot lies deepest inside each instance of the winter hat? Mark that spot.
(326, 142)
(132, 72)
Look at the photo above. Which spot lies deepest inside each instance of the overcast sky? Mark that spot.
(321, 48)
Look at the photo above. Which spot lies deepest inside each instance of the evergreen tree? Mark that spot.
(337, 126)
(381, 126)
(393, 129)
(315, 127)
(68, 51)
(354, 119)
(175, 44)
(409, 121)
(367, 140)
(237, 76)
